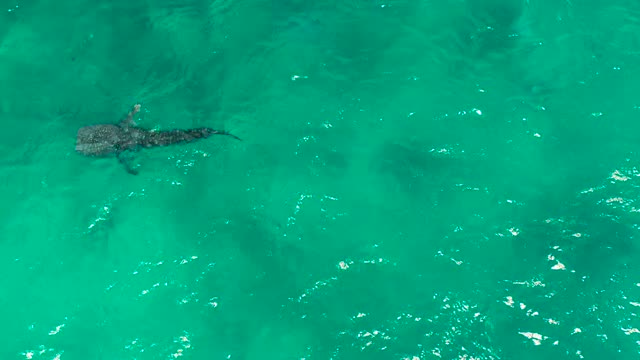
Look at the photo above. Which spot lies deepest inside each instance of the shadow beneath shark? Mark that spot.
(105, 140)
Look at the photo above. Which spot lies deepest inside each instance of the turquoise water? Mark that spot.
(417, 180)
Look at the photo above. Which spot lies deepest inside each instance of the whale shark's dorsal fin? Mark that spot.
(128, 120)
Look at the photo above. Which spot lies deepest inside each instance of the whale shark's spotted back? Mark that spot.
(99, 140)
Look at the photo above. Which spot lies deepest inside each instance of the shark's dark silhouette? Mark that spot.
(117, 139)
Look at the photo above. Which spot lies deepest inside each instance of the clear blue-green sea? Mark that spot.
(416, 180)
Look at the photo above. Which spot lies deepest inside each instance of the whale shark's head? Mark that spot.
(100, 140)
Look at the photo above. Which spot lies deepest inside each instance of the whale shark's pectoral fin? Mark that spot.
(126, 161)
(128, 121)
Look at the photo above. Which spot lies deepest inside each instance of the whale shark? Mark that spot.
(104, 140)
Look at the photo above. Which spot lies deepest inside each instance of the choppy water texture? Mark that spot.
(417, 180)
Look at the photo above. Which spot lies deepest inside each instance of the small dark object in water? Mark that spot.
(111, 139)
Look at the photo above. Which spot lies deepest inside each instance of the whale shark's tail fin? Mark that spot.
(221, 132)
